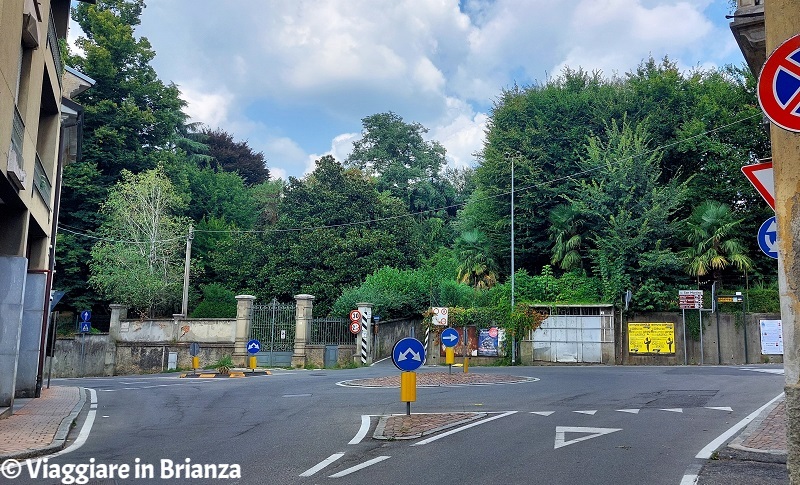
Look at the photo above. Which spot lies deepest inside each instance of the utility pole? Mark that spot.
(186, 264)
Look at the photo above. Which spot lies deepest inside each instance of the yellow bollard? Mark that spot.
(466, 365)
(450, 356)
(253, 362)
(408, 386)
(195, 363)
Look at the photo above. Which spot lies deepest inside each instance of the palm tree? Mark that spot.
(565, 232)
(710, 232)
(476, 268)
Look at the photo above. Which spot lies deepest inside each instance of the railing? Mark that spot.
(42, 182)
(55, 50)
(331, 331)
(18, 132)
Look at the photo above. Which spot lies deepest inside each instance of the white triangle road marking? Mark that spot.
(632, 411)
(561, 441)
(590, 413)
(543, 413)
(673, 410)
(725, 408)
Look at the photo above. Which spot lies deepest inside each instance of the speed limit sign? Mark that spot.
(355, 327)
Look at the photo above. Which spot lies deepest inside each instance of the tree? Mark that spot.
(402, 162)
(475, 266)
(711, 232)
(139, 261)
(130, 121)
(566, 233)
(237, 157)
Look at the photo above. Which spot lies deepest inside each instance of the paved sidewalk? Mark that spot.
(40, 426)
(757, 456)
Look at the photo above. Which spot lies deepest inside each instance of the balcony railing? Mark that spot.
(42, 182)
(55, 50)
(18, 132)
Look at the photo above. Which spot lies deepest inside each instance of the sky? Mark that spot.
(294, 78)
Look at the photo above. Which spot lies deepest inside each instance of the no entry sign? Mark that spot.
(779, 85)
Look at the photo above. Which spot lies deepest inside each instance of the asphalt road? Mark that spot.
(575, 424)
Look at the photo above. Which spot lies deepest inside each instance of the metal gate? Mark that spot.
(575, 334)
(273, 325)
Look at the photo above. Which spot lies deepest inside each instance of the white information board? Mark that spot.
(771, 337)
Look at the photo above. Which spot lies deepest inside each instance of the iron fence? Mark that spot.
(331, 331)
(273, 325)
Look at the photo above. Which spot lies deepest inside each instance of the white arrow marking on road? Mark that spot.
(726, 408)
(674, 410)
(632, 411)
(543, 413)
(360, 466)
(591, 413)
(414, 355)
(450, 337)
(595, 432)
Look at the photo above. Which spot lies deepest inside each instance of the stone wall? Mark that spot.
(390, 331)
(82, 355)
(179, 330)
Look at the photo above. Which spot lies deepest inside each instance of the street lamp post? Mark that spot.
(513, 335)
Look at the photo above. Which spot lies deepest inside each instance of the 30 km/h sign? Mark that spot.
(779, 85)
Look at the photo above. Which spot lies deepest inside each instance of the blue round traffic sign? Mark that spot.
(408, 354)
(768, 238)
(450, 337)
(254, 346)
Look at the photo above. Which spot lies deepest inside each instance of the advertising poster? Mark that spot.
(651, 338)
(488, 342)
(771, 337)
(472, 343)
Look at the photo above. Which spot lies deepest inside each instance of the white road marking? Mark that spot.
(725, 408)
(362, 431)
(85, 429)
(590, 413)
(560, 440)
(766, 371)
(632, 411)
(673, 410)
(689, 480)
(462, 428)
(359, 467)
(543, 413)
(319, 466)
(711, 447)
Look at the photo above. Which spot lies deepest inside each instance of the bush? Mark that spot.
(218, 302)
(764, 300)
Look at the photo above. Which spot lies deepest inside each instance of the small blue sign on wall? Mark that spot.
(768, 238)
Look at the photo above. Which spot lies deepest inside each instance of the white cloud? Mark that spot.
(210, 109)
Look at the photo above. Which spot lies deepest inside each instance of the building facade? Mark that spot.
(36, 123)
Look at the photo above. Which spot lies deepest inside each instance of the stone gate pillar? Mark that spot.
(244, 315)
(118, 312)
(302, 328)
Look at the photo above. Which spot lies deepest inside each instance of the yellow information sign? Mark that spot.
(651, 338)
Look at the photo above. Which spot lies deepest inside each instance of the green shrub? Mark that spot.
(763, 300)
(218, 302)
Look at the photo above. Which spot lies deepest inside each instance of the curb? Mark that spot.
(216, 375)
(378, 434)
(751, 428)
(60, 439)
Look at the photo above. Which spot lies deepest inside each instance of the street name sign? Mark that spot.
(408, 354)
(690, 299)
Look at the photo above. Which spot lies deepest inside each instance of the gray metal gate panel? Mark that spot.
(273, 325)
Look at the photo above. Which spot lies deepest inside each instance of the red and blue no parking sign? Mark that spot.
(779, 85)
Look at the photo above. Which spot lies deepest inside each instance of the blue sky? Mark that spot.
(295, 77)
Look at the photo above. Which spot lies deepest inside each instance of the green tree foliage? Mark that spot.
(139, 262)
(475, 265)
(217, 302)
(131, 117)
(233, 156)
(711, 232)
(628, 213)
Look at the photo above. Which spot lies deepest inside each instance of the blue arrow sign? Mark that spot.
(86, 327)
(408, 354)
(450, 337)
(254, 346)
(768, 238)
(86, 315)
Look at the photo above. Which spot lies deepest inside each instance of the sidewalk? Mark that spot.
(40, 426)
(757, 456)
